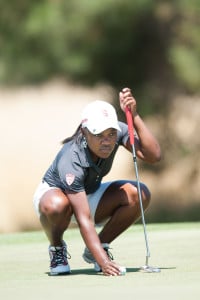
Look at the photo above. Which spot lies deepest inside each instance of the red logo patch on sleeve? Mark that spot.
(70, 178)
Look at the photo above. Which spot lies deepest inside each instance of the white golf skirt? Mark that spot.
(93, 199)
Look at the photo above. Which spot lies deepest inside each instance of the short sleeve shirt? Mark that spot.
(73, 170)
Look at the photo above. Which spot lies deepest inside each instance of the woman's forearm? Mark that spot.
(148, 147)
(92, 242)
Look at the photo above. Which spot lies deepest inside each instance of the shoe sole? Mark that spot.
(59, 274)
(89, 261)
(96, 268)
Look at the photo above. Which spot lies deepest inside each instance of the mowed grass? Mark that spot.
(175, 248)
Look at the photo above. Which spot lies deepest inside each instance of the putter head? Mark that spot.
(148, 269)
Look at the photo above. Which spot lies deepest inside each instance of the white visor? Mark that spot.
(98, 116)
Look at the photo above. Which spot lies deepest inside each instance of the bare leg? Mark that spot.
(55, 216)
(120, 203)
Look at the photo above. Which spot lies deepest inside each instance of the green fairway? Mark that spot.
(175, 248)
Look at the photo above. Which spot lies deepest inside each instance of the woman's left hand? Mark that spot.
(127, 100)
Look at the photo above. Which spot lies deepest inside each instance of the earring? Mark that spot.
(84, 142)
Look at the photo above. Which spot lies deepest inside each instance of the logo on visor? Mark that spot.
(105, 113)
(70, 178)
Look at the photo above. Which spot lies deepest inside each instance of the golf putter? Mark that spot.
(146, 268)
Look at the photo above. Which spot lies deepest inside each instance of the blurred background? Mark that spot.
(58, 55)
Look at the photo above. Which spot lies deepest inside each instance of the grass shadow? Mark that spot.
(75, 272)
(133, 270)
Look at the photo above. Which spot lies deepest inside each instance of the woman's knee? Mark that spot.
(146, 195)
(54, 202)
(132, 192)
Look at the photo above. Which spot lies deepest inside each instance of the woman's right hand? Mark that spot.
(110, 268)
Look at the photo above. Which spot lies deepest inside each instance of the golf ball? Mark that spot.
(122, 270)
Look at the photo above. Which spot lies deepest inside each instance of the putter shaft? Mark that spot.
(141, 205)
(146, 267)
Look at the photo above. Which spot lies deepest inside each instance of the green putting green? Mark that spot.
(174, 247)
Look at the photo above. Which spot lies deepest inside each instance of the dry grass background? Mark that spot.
(33, 121)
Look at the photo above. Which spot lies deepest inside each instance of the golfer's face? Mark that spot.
(102, 144)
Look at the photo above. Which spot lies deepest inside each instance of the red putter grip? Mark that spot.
(129, 119)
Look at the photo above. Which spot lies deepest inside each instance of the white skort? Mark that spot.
(93, 199)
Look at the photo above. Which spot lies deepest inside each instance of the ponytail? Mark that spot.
(74, 136)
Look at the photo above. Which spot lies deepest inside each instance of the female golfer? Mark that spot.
(72, 187)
